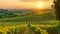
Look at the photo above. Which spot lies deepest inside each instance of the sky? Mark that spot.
(38, 4)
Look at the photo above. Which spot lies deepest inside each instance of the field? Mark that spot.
(28, 22)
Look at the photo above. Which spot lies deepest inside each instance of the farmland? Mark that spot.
(28, 22)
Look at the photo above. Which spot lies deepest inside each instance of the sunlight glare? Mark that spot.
(39, 5)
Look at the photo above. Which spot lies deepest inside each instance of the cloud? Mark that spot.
(22, 3)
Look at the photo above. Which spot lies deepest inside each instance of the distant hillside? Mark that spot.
(23, 16)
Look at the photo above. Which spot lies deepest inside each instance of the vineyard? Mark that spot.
(22, 22)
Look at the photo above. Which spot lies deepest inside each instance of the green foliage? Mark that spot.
(25, 18)
(18, 17)
(8, 32)
(34, 30)
(38, 31)
(53, 30)
(1, 32)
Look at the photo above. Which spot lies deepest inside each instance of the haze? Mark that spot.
(26, 4)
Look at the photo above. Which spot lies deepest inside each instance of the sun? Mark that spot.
(39, 5)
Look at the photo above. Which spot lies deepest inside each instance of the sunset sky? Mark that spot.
(38, 4)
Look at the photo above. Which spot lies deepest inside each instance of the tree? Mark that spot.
(57, 8)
